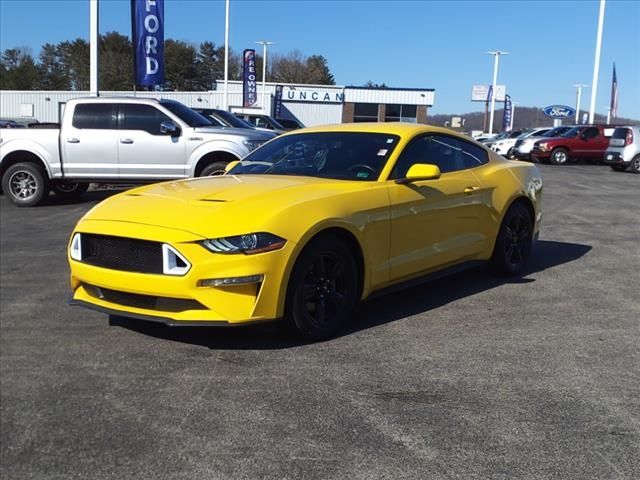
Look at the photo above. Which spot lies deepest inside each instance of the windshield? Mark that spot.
(231, 119)
(500, 136)
(339, 155)
(188, 116)
(572, 132)
(556, 131)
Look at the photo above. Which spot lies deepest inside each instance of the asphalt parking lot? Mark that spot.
(469, 377)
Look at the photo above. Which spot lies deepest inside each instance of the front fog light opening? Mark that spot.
(75, 250)
(172, 262)
(230, 281)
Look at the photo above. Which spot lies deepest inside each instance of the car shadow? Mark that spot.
(372, 313)
(92, 196)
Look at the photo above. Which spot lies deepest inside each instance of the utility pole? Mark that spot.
(596, 63)
(264, 44)
(496, 60)
(579, 87)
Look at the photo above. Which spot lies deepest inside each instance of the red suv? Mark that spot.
(586, 142)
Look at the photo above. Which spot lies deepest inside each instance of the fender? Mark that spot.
(311, 233)
(213, 146)
(51, 165)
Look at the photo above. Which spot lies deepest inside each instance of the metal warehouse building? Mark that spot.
(310, 104)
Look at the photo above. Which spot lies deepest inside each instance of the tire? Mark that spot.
(635, 164)
(323, 289)
(513, 245)
(69, 190)
(511, 155)
(25, 184)
(559, 156)
(215, 168)
(619, 168)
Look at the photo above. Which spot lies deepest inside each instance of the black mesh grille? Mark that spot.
(148, 302)
(119, 253)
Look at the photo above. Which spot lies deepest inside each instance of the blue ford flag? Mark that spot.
(249, 88)
(277, 107)
(508, 111)
(147, 23)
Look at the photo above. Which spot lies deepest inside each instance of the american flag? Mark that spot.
(614, 94)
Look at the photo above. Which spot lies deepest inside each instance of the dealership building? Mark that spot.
(310, 104)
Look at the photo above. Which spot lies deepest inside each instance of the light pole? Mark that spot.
(264, 44)
(513, 115)
(496, 56)
(93, 48)
(579, 87)
(226, 55)
(596, 63)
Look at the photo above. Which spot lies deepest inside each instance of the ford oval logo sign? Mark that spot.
(559, 111)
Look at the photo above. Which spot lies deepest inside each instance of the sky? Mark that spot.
(409, 44)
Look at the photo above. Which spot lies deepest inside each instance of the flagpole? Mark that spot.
(596, 64)
(226, 56)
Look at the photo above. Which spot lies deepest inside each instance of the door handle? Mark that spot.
(471, 189)
(73, 140)
(126, 140)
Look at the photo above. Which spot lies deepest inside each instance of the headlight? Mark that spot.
(248, 244)
(252, 144)
(543, 145)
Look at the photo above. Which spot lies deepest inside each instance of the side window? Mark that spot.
(141, 117)
(260, 122)
(591, 132)
(98, 116)
(448, 153)
(473, 155)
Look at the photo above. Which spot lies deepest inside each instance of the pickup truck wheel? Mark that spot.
(559, 156)
(215, 168)
(24, 184)
(69, 190)
(635, 164)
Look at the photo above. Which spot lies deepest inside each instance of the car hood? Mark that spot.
(250, 133)
(217, 206)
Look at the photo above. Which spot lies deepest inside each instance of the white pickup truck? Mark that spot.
(117, 140)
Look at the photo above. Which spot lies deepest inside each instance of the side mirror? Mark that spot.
(421, 171)
(231, 165)
(169, 128)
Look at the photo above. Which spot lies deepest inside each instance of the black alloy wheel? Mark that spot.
(323, 289)
(513, 245)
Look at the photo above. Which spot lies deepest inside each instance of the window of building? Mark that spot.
(141, 117)
(401, 113)
(365, 112)
(98, 116)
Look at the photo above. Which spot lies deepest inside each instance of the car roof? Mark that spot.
(392, 128)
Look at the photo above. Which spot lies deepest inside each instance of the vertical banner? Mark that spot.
(277, 106)
(506, 117)
(249, 88)
(614, 94)
(147, 25)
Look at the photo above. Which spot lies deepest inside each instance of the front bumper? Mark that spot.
(179, 300)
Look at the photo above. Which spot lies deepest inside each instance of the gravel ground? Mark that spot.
(468, 377)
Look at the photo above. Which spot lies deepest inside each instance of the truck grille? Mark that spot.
(120, 253)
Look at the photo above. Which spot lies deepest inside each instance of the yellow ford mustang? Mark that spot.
(305, 227)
